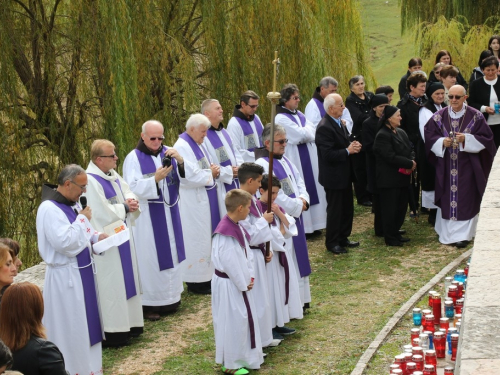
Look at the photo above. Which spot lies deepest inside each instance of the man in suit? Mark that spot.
(335, 174)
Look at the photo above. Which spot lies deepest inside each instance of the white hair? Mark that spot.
(329, 101)
(196, 120)
(150, 122)
(419, 72)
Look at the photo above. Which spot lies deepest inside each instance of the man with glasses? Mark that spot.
(245, 127)
(115, 208)
(301, 150)
(292, 197)
(153, 172)
(65, 236)
(459, 142)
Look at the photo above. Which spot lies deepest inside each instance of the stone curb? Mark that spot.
(379, 340)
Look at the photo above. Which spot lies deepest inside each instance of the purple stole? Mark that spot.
(213, 199)
(256, 211)
(88, 283)
(305, 161)
(157, 213)
(229, 228)
(124, 248)
(248, 131)
(321, 107)
(223, 154)
(299, 241)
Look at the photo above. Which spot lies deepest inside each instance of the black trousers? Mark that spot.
(496, 134)
(359, 167)
(377, 220)
(394, 202)
(339, 215)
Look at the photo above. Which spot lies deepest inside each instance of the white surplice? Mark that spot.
(118, 313)
(293, 207)
(59, 242)
(195, 216)
(315, 217)
(240, 141)
(230, 318)
(159, 288)
(226, 173)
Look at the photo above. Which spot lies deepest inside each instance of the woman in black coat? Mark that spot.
(444, 57)
(394, 165)
(414, 65)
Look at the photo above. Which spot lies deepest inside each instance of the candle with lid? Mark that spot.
(444, 323)
(410, 368)
(419, 362)
(430, 358)
(459, 305)
(417, 316)
(440, 344)
(431, 337)
(407, 348)
(449, 309)
(418, 350)
(394, 366)
(429, 323)
(448, 370)
(397, 371)
(429, 370)
(451, 330)
(447, 283)
(436, 307)
(431, 293)
(453, 293)
(456, 319)
(454, 346)
(424, 340)
(400, 360)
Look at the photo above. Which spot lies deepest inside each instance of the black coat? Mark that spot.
(39, 357)
(334, 164)
(476, 74)
(402, 85)
(480, 93)
(409, 113)
(370, 129)
(360, 111)
(392, 152)
(460, 79)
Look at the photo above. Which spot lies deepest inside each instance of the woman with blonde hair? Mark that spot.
(7, 268)
(22, 331)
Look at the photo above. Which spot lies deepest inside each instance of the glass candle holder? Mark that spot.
(417, 317)
(397, 372)
(400, 361)
(440, 344)
(411, 367)
(436, 307)
(459, 305)
(453, 293)
(415, 332)
(419, 362)
(448, 370)
(407, 348)
(418, 350)
(449, 309)
(430, 358)
(431, 293)
(392, 367)
(454, 346)
(451, 331)
(444, 323)
(429, 323)
(431, 337)
(447, 283)
(429, 370)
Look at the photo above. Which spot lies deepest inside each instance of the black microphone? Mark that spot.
(83, 202)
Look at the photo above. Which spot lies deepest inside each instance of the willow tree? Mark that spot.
(72, 71)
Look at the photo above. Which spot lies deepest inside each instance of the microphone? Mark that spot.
(83, 202)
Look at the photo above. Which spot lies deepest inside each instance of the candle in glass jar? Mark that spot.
(418, 350)
(459, 306)
(453, 293)
(429, 370)
(415, 332)
(448, 370)
(400, 360)
(449, 309)
(408, 357)
(430, 358)
(397, 371)
(460, 290)
(426, 312)
(440, 344)
(436, 307)
(431, 293)
(431, 336)
(454, 346)
(466, 269)
(447, 283)
(444, 323)
(429, 323)
(417, 316)
(451, 330)
(394, 366)
(419, 362)
(407, 348)
(424, 340)
(410, 368)
(456, 319)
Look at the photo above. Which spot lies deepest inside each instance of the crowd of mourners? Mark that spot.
(208, 214)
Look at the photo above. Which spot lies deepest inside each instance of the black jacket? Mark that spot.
(359, 110)
(476, 74)
(39, 357)
(334, 164)
(370, 129)
(460, 79)
(409, 113)
(480, 93)
(392, 152)
(402, 85)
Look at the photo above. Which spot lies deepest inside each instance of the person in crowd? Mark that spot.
(22, 331)
(5, 357)
(358, 105)
(65, 235)
(494, 46)
(435, 94)
(294, 199)
(7, 268)
(410, 107)
(394, 165)
(301, 151)
(415, 64)
(485, 96)
(116, 271)
(245, 127)
(236, 327)
(199, 204)
(449, 75)
(315, 111)
(335, 151)
(221, 150)
(477, 72)
(387, 91)
(256, 224)
(436, 73)
(370, 129)
(15, 248)
(459, 142)
(445, 57)
(153, 172)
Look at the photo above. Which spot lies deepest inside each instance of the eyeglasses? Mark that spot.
(83, 187)
(156, 138)
(282, 141)
(253, 106)
(458, 97)
(108, 156)
(296, 97)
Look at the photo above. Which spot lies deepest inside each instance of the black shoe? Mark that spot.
(461, 244)
(200, 288)
(403, 239)
(401, 231)
(277, 336)
(307, 305)
(367, 204)
(396, 243)
(337, 250)
(348, 243)
(284, 331)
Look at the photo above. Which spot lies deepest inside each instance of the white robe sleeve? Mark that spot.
(195, 176)
(259, 230)
(230, 259)
(438, 148)
(312, 112)
(346, 115)
(143, 188)
(424, 115)
(101, 206)
(296, 134)
(472, 145)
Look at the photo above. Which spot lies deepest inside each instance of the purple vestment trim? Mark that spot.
(217, 144)
(124, 248)
(321, 107)
(213, 199)
(88, 283)
(305, 161)
(247, 129)
(158, 216)
(299, 241)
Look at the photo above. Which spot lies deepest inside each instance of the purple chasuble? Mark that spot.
(321, 107)
(157, 212)
(461, 177)
(88, 283)
(229, 228)
(124, 248)
(248, 131)
(213, 199)
(299, 241)
(222, 153)
(305, 161)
